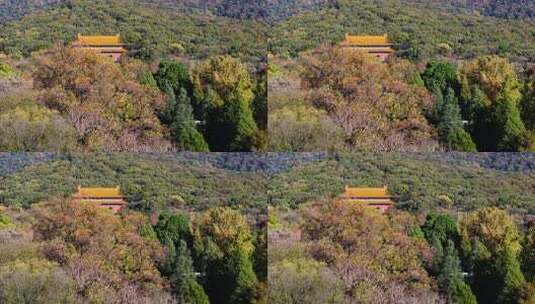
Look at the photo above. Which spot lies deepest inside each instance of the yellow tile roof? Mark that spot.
(366, 192)
(99, 40)
(366, 40)
(99, 192)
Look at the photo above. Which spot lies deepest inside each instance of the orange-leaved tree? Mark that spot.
(104, 101)
(378, 105)
(106, 255)
(373, 253)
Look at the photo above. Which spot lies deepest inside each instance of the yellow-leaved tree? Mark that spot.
(223, 240)
(490, 96)
(490, 242)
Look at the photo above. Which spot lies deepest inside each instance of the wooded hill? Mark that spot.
(150, 30)
(423, 181)
(509, 9)
(344, 253)
(418, 31)
(151, 182)
(13, 9)
(459, 227)
(239, 9)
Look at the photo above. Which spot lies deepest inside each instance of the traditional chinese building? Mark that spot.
(377, 198)
(109, 198)
(109, 46)
(379, 46)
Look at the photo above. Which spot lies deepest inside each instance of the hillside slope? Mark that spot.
(416, 30)
(423, 181)
(509, 9)
(13, 9)
(149, 30)
(240, 9)
(151, 182)
(245, 9)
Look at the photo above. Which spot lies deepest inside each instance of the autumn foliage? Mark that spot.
(104, 102)
(379, 106)
(372, 253)
(106, 256)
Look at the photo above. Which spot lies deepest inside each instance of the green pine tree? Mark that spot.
(183, 280)
(245, 125)
(183, 128)
(173, 74)
(441, 226)
(169, 113)
(441, 75)
(245, 280)
(438, 250)
(508, 124)
(172, 227)
(260, 104)
(231, 127)
(527, 105)
(451, 278)
(450, 127)
(508, 265)
(435, 113)
(173, 231)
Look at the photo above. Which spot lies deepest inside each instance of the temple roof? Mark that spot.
(366, 192)
(114, 192)
(99, 40)
(367, 40)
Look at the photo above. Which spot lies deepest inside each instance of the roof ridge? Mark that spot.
(367, 39)
(99, 39)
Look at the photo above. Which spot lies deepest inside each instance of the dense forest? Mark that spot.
(269, 10)
(13, 9)
(510, 9)
(80, 101)
(192, 232)
(459, 81)
(460, 232)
